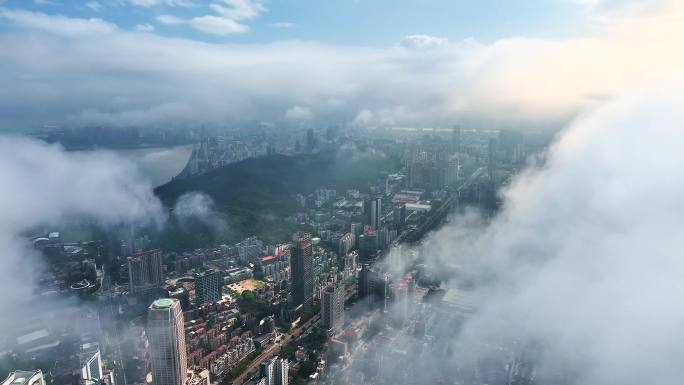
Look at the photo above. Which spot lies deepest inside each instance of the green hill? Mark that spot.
(256, 195)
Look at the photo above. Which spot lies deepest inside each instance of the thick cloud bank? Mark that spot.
(43, 186)
(586, 257)
(117, 77)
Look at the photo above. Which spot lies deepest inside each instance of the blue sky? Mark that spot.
(347, 22)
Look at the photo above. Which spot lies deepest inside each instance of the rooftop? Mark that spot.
(143, 254)
(20, 377)
(162, 303)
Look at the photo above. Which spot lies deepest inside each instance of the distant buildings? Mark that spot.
(274, 372)
(249, 249)
(275, 267)
(301, 264)
(166, 342)
(145, 271)
(332, 307)
(310, 140)
(208, 286)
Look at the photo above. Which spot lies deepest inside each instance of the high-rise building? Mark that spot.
(145, 271)
(491, 161)
(356, 228)
(456, 139)
(375, 213)
(166, 342)
(208, 286)
(91, 363)
(274, 371)
(332, 307)
(373, 286)
(345, 244)
(25, 377)
(301, 265)
(310, 140)
(364, 287)
(453, 168)
(399, 215)
(368, 245)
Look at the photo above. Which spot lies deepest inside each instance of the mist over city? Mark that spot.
(271, 192)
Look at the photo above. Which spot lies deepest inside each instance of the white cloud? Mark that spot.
(421, 42)
(217, 25)
(239, 9)
(45, 2)
(170, 3)
(94, 5)
(515, 81)
(226, 20)
(50, 187)
(169, 19)
(214, 25)
(58, 24)
(283, 25)
(299, 113)
(584, 260)
(144, 27)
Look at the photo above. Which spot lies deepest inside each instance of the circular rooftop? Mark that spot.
(162, 303)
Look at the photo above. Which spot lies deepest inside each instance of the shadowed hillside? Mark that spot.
(256, 195)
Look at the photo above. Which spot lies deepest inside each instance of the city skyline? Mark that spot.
(346, 192)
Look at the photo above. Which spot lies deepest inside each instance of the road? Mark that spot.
(274, 349)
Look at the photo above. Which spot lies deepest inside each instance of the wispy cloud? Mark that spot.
(94, 5)
(226, 20)
(298, 113)
(423, 42)
(144, 27)
(46, 2)
(214, 25)
(170, 3)
(283, 25)
(239, 9)
(58, 24)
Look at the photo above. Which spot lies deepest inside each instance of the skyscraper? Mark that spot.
(274, 371)
(310, 140)
(399, 215)
(301, 264)
(167, 342)
(491, 161)
(375, 213)
(373, 286)
(456, 139)
(368, 245)
(332, 307)
(91, 363)
(208, 286)
(145, 271)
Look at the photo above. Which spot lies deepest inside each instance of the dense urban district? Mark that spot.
(309, 271)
